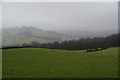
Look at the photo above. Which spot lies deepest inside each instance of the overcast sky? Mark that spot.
(61, 15)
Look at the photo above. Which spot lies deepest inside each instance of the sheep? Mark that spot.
(99, 55)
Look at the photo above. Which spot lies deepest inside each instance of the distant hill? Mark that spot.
(77, 34)
(20, 35)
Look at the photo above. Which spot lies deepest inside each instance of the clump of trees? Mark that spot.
(89, 44)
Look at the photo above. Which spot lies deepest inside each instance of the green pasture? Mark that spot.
(50, 63)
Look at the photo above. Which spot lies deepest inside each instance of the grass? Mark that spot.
(0, 64)
(49, 63)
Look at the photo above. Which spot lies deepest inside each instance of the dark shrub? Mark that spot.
(96, 49)
(90, 50)
(103, 48)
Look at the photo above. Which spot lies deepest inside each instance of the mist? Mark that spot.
(62, 16)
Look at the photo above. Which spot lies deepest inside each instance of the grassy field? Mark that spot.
(49, 63)
(0, 64)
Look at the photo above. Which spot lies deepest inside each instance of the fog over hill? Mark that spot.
(76, 34)
(52, 21)
(89, 16)
(21, 35)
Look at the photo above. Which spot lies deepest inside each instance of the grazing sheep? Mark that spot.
(99, 55)
(103, 53)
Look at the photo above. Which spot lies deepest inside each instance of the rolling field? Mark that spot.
(50, 63)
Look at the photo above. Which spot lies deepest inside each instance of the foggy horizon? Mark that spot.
(61, 16)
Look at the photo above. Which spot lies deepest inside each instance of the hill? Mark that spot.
(20, 35)
(77, 34)
(50, 63)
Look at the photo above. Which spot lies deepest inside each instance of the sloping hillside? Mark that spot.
(20, 35)
(50, 63)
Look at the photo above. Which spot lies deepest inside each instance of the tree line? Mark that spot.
(89, 44)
